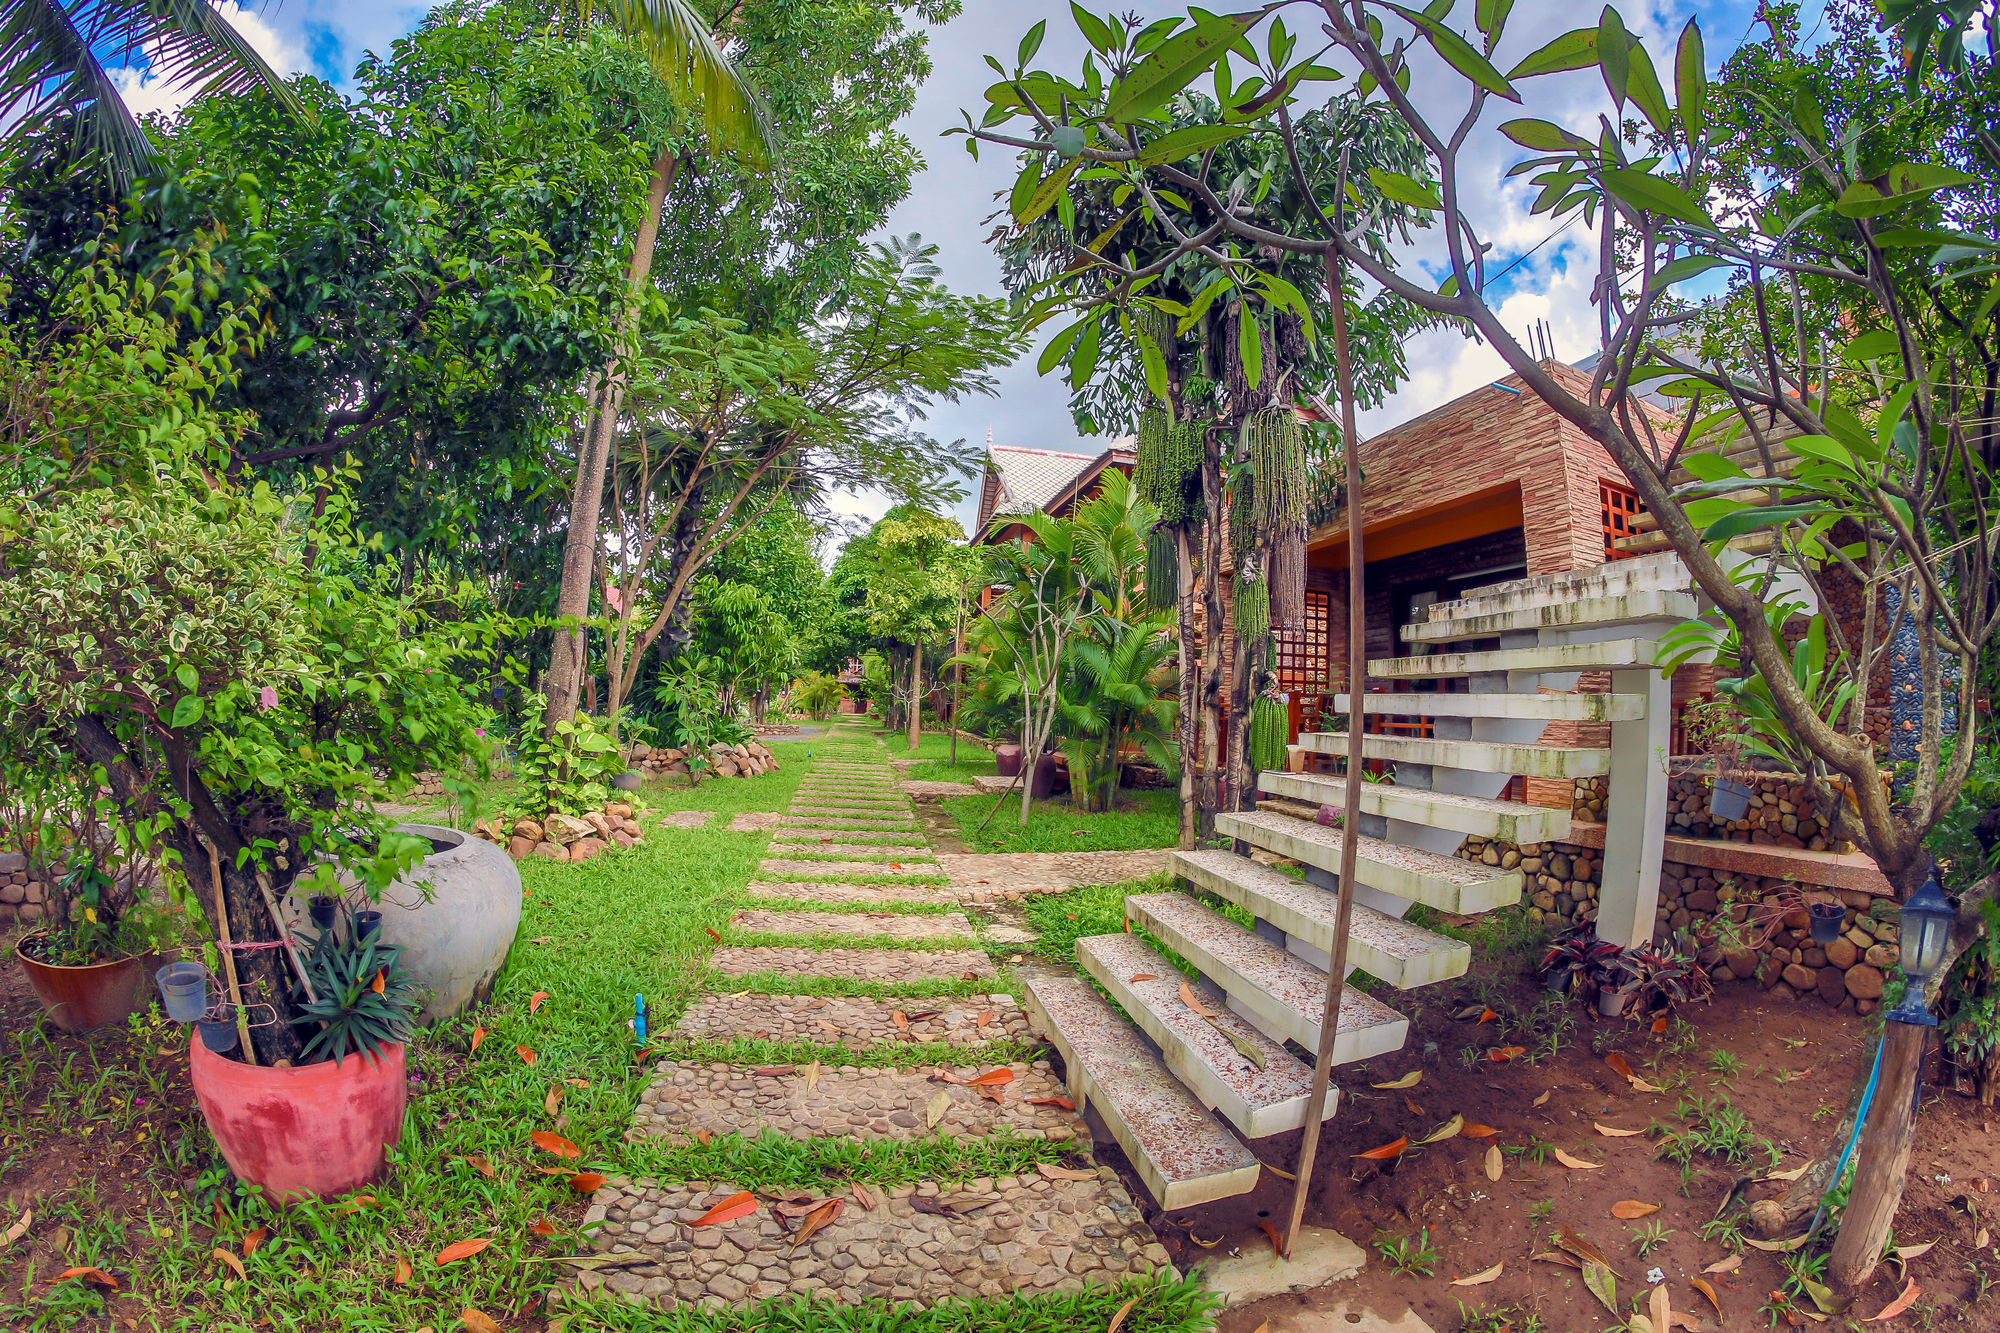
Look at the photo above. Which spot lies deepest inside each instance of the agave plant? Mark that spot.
(361, 996)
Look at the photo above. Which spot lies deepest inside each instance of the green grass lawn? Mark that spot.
(631, 922)
(1140, 819)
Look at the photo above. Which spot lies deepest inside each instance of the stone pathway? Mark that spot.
(1012, 874)
(850, 840)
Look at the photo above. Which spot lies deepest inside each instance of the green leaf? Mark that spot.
(1046, 194)
(187, 676)
(1459, 53)
(1249, 344)
(1188, 142)
(1053, 353)
(187, 712)
(1712, 467)
(1155, 364)
(1750, 518)
(1083, 364)
(1067, 140)
(1602, 1285)
(1490, 17)
(1542, 136)
(1687, 266)
(1874, 345)
(1174, 63)
(1614, 54)
(1094, 29)
(1654, 194)
(1643, 82)
(1901, 184)
(1024, 186)
(1576, 49)
(1691, 80)
(1032, 41)
(1402, 189)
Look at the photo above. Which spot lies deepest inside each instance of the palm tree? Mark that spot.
(684, 55)
(54, 76)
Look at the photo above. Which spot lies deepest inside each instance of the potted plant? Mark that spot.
(1577, 955)
(1714, 733)
(90, 963)
(324, 1125)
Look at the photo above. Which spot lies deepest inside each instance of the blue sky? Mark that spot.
(949, 202)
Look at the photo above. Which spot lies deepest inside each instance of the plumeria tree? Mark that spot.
(1869, 350)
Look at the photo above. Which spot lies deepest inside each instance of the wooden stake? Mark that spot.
(278, 924)
(1357, 681)
(229, 955)
(1886, 1142)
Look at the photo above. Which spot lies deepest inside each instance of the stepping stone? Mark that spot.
(854, 1022)
(847, 870)
(807, 820)
(856, 803)
(821, 892)
(861, 815)
(1089, 1229)
(752, 821)
(858, 851)
(889, 966)
(936, 791)
(897, 925)
(1049, 872)
(884, 838)
(687, 818)
(847, 1103)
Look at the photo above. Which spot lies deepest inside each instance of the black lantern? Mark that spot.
(1926, 927)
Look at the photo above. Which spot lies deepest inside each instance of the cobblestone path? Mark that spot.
(852, 938)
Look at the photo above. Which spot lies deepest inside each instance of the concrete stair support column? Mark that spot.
(1636, 813)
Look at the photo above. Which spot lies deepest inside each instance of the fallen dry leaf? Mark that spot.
(478, 1035)
(1913, 1251)
(1487, 1016)
(993, 1078)
(897, 1017)
(702, 1136)
(535, 1000)
(463, 1249)
(251, 1240)
(1477, 1132)
(479, 1164)
(1118, 1317)
(1277, 1243)
(554, 1143)
(1631, 1210)
(1495, 1164)
(18, 1230)
(1576, 1163)
(736, 1205)
(586, 1182)
(1729, 1265)
(1502, 1054)
(1707, 1288)
(554, 1100)
(577, 1082)
(1186, 993)
(95, 1277)
(541, 1226)
(1448, 1130)
(1775, 1246)
(229, 1259)
(1619, 1065)
(935, 1110)
(1480, 1278)
(1583, 1249)
(1641, 1085)
(984, 1021)
(1610, 1132)
(1409, 1080)
(812, 1076)
(1205, 1244)
(1277, 1171)
(711, 932)
(862, 1194)
(1557, 1257)
(1063, 1102)
(1793, 1174)
(527, 1055)
(475, 1321)
(1387, 1152)
(1897, 1306)
(1142, 976)
(1543, 1099)
(403, 1271)
(1054, 1172)
(817, 1220)
(1662, 1309)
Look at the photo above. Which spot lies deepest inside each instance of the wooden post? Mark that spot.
(957, 671)
(229, 955)
(1886, 1142)
(1357, 686)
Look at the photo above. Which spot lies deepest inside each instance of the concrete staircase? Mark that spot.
(1181, 1086)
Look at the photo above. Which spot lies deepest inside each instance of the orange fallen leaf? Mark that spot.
(1118, 1317)
(1660, 1024)
(96, 1277)
(577, 1082)
(554, 1143)
(535, 1000)
(1707, 1288)
(356, 1204)
(1143, 976)
(1387, 1151)
(478, 1035)
(985, 1020)
(862, 1194)
(541, 1226)
(474, 1321)
(230, 1260)
(1502, 1054)
(380, 984)
(1543, 1099)
(898, 1019)
(251, 1240)
(1277, 1245)
(462, 1249)
(403, 1271)
(702, 1136)
(553, 1100)
(481, 1165)
(1487, 1016)
(584, 1182)
(710, 932)
(1186, 993)
(1897, 1306)
(1620, 1064)
(1063, 1102)
(736, 1205)
(817, 1220)
(527, 1055)
(992, 1078)
(1576, 1163)
(1478, 1132)
(1631, 1210)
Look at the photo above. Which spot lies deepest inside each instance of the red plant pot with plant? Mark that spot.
(319, 1129)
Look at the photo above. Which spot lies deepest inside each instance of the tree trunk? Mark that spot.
(1879, 1174)
(1214, 627)
(1238, 783)
(916, 729)
(565, 673)
(1188, 725)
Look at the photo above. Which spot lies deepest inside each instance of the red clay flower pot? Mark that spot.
(81, 998)
(317, 1129)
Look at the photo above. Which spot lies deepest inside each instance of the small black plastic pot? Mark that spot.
(366, 924)
(1729, 800)
(322, 907)
(1826, 921)
(218, 1034)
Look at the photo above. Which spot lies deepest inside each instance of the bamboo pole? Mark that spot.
(1357, 680)
(229, 956)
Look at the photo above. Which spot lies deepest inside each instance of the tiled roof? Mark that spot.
(1030, 478)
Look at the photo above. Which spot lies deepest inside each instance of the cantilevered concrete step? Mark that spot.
(1554, 657)
(1614, 578)
(1505, 821)
(1535, 761)
(1278, 991)
(1630, 609)
(1206, 1056)
(1530, 707)
(1184, 1155)
(1396, 951)
(1443, 882)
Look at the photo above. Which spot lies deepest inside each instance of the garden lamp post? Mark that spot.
(1887, 1136)
(1927, 919)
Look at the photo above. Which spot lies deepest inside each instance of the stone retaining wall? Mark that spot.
(726, 761)
(563, 837)
(21, 898)
(1756, 926)
(1782, 813)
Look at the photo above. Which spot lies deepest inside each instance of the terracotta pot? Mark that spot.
(316, 1129)
(81, 998)
(1007, 760)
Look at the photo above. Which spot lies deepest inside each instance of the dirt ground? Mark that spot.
(1789, 1067)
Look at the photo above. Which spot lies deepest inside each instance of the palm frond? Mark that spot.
(684, 55)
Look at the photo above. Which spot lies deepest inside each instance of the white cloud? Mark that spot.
(146, 92)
